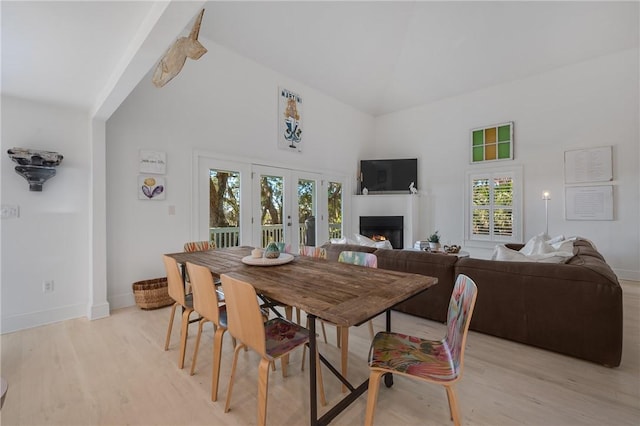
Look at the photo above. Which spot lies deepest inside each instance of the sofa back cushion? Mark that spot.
(433, 303)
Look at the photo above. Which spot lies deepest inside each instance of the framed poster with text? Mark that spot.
(289, 120)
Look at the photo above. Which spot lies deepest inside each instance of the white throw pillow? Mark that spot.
(501, 252)
(366, 241)
(536, 250)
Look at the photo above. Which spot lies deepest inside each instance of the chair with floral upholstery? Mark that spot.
(357, 258)
(312, 251)
(368, 260)
(434, 361)
(273, 339)
(283, 247)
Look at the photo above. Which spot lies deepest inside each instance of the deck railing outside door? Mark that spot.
(230, 236)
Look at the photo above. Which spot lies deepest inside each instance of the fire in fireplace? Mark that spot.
(380, 228)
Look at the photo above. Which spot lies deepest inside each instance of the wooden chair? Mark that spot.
(434, 361)
(176, 290)
(368, 260)
(271, 340)
(205, 302)
(199, 246)
(288, 310)
(283, 247)
(319, 253)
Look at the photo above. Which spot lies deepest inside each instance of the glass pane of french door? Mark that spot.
(224, 207)
(334, 209)
(223, 193)
(287, 209)
(272, 209)
(307, 211)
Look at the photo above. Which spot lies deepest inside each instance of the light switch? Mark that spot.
(172, 210)
(7, 211)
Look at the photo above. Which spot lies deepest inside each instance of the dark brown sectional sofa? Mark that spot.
(574, 308)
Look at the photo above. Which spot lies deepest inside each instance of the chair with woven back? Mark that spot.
(199, 246)
(205, 302)
(273, 339)
(434, 361)
(176, 289)
(193, 246)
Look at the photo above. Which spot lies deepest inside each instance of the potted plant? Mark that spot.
(434, 241)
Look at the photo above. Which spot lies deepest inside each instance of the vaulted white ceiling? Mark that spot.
(376, 56)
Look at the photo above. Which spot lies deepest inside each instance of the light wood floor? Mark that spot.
(114, 371)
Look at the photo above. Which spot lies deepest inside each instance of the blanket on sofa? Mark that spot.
(538, 249)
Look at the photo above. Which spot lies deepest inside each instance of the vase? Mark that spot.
(272, 251)
(434, 246)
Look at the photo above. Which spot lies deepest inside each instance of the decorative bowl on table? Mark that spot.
(272, 251)
(453, 249)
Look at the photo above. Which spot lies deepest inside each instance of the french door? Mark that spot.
(238, 203)
(223, 210)
(286, 207)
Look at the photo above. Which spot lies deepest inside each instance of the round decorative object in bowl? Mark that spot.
(454, 249)
(272, 251)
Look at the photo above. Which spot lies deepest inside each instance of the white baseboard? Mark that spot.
(626, 274)
(98, 311)
(35, 319)
(123, 300)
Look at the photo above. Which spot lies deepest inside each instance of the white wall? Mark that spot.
(586, 105)
(49, 240)
(228, 105)
(223, 104)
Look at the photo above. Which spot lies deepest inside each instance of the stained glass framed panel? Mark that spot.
(492, 143)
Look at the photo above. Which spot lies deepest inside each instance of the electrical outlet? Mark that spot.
(47, 286)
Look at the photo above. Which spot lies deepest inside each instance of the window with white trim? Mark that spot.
(493, 206)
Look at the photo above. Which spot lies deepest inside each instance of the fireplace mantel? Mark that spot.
(389, 205)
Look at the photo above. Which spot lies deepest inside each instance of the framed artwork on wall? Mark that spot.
(153, 162)
(289, 120)
(588, 165)
(492, 143)
(589, 202)
(151, 187)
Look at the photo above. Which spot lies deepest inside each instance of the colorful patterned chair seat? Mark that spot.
(429, 359)
(435, 361)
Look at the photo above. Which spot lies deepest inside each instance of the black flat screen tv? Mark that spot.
(388, 175)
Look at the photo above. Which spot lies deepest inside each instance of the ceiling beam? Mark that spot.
(164, 23)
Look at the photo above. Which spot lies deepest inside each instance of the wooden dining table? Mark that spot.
(344, 294)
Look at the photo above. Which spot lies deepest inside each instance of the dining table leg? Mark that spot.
(388, 377)
(313, 402)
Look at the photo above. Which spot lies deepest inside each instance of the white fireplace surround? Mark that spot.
(405, 205)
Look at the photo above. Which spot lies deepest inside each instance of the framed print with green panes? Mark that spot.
(492, 143)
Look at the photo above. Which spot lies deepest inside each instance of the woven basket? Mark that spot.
(152, 294)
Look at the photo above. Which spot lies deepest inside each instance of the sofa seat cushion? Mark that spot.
(573, 308)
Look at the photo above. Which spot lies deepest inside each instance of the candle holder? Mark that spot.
(35, 166)
(546, 197)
